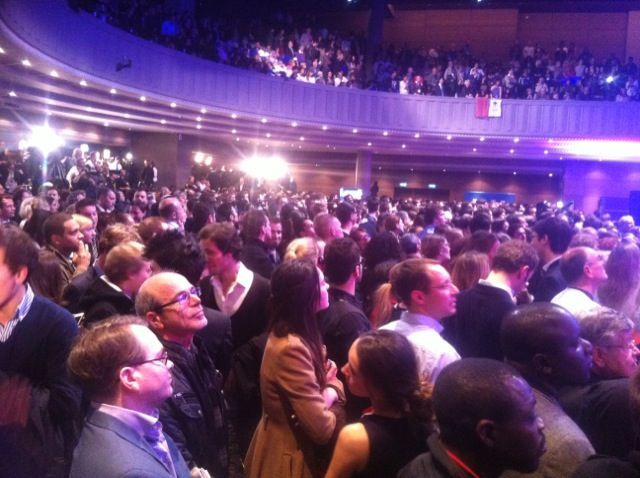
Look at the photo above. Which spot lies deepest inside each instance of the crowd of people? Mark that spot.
(221, 332)
(301, 50)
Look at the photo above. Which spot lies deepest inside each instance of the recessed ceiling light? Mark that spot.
(113, 91)
(199, 126)
(173, 105)
(204, 110)
(263, 120)
(26, 62)
(546, 151)
(83, 83)
(354, 130)
(516, 140)
(54, 73)
(511, 151)
(12, 94)
(324, 127)
(237, 139)
(143, 98)
(199, 118)
(482, 138)
(369, 144)
(550, 175)
(294, 124)
(475, 149)
(106, 123)
(301, 138)
(550, 140)
(127, 115)
(2, 52)
(233, 131)
(416, 136)
(268, 135)
(404, 146)
(449, 137)
(385, 133)
(162, 121)
(514, 173)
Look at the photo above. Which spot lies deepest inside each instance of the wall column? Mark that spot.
(363, 171)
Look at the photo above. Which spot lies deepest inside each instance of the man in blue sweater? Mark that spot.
(39, 403)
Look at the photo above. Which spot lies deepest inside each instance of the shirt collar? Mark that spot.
(497, 285)
(140, 422)
(550, 263)
(420, 319)
(244, 277)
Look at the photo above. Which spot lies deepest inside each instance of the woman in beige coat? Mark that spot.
(298, 385)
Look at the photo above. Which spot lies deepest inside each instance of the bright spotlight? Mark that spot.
(266, 167)
(23, 144)
(84, 147)
(610, 79)
(45, 139)
(128, 156)
(208, 160)
(198, 157)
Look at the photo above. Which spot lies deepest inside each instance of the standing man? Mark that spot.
(106, 200)
(7, 210)
(194, 415)
(125, 372)
(256, 231)
(474, 330)
(584, 270)
(172, 213)
(38, 403)
(551, 238)
(273, 244)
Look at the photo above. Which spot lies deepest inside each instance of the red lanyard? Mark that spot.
(461, 464)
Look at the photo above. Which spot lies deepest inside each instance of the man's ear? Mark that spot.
(22, 274)
(128, 378)
(486, 432)
(417, 297)
(597, 356)
(542, 365)
(155, 322)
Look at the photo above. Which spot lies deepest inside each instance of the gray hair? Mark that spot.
(602, 325)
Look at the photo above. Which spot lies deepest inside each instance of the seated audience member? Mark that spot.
(125, 269)
(542, 341)
(256, 232)
(550, 239)
(111, 237)
(194, 415)
(38, 403)
(474, 330)
(469, 268)
(383, 368)
(488, 424)
(63, 238)
(343, 321)
(621, 289)
(584, 270)
(601, 407)
(426, 290)
(602, 466)
(124, 370)
(172, 251)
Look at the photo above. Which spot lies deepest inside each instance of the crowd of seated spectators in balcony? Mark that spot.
(284, 47)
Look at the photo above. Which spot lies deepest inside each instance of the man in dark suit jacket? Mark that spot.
(551, 238)
(255, 253)
(474, 330)
(124, 369)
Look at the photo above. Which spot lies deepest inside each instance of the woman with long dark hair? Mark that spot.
(298, 385)
(383, 367)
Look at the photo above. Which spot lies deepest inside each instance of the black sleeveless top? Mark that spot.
(393, 442)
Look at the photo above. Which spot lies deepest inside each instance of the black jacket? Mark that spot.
(255, 256)
(195, 415)
(544, 285)
(102, 301)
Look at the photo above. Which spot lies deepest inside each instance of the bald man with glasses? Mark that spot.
(195, 413)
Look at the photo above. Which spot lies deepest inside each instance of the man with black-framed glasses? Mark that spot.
(195, 414)
(125, 371)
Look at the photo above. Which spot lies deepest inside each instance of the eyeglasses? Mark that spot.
(181, 298)
(163, 360)
(630, 346)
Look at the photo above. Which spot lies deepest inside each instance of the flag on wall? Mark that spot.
(488, 107)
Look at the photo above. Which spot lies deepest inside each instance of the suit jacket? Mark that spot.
(255, 256)
(108, 448)
(544, 285)
(250, 319)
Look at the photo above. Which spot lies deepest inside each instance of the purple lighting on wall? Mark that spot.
(613, 150)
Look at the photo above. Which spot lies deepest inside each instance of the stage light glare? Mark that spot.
(265, 167)
(84, 147)
(198, 157)
(128, 156)
(208, 160)
(45, 139)
(611, 150)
